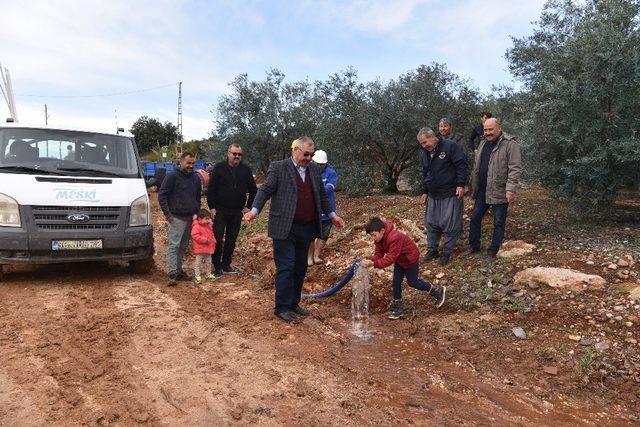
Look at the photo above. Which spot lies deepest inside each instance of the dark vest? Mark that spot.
(305, 206)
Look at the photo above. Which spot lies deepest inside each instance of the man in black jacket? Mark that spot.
(444, 174)
(230, 182)
(179, 199)
(478, 132)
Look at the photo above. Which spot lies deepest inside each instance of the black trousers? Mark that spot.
(226, 226)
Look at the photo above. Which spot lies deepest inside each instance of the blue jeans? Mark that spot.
(411, 274)
(290, 256)
(480, 208)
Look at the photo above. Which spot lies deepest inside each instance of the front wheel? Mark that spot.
(141, 266)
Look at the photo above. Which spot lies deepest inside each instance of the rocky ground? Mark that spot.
(545, 335)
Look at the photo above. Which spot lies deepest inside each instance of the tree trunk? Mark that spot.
(392, 182)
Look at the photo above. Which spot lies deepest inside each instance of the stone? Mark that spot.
(631, 340)
(601, 346)
(519, 333)
(590, 262)
(439, 275)
(586, 342)
(634, 294)
(623, 263)
(622, 275)
(575, 338)
(612, 266)
(551, 370)
(559, 278)
(515, 248)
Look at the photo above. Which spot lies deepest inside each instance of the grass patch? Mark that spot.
(588, 362)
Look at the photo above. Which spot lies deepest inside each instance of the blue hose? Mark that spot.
(335, 288)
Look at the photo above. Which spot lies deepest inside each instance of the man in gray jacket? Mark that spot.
(494, 182)
(298, 197)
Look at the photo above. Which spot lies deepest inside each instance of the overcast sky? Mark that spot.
(63, 53)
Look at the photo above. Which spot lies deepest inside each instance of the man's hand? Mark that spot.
(169, 218)
(459, 192)
(245, 210)
(338, 222)
(213, 213)
(248, 217)
(423, 199)
(366, 263)
(511, 197)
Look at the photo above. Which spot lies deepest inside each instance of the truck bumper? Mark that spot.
(33, 244)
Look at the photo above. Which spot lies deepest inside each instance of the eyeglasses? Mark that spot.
(236, 154)
(305, 153)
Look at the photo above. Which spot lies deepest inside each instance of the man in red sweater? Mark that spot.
(395, 247)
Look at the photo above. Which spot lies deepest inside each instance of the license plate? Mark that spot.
(74, 245)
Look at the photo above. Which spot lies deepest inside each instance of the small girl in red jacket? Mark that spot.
(395, 247)
(204, 244)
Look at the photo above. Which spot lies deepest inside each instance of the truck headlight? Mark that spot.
(9, 212)
(140, 212)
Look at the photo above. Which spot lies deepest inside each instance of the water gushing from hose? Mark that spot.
(360, 303)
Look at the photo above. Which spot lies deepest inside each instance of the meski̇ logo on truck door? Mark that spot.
(76, 195)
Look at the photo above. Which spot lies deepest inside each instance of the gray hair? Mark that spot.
(446, 121)
(302, 140)
(234, 145)
(425, 131)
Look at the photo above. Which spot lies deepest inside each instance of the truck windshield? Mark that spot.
(66, 153)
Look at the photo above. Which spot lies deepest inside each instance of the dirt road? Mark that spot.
(93, 344)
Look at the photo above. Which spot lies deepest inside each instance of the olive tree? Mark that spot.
(581, 72)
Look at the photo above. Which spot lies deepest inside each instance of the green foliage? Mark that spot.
(368, 129)
(264, 117)
(150, 134)
(581, 70)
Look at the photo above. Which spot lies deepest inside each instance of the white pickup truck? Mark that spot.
(68, 195)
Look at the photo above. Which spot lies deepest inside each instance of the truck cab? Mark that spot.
(70, 196)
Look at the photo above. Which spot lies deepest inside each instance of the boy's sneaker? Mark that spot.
(438, 293)
(212, 277)
(197, 279)
(397, 310)
(218, 273)
(430, 256)
(172, 279)
(444, 260)
(229, 270)
(183, 276)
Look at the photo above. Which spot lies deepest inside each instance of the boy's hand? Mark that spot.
(366, 263)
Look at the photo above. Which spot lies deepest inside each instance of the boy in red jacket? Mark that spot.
(394, 247)
(204, 244)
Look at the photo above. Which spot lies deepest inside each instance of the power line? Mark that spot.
(99, 95)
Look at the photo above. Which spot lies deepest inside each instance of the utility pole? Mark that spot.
(46, 115)
(180, 115)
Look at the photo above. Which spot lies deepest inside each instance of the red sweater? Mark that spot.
(204, 241)
(395, 248)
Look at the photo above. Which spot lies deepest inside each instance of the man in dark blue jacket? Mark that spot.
(444, 175)
(179, 199)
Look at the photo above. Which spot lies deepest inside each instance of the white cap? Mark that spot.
(320, 157)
